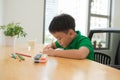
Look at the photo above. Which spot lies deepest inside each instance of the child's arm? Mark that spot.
(73, 53)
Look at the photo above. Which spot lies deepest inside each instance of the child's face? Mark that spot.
(64, 39)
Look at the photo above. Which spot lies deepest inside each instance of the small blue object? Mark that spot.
(37, 57)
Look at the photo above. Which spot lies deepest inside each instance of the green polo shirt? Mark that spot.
(78, 42)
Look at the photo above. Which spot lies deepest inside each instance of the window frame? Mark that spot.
(99, 15)
(103, 30)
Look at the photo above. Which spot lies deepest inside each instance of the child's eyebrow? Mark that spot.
(57, 36)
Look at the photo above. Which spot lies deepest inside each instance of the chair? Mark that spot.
(102, 58)
(117, 58)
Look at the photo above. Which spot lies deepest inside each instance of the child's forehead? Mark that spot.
(60, 33)
(57, 34)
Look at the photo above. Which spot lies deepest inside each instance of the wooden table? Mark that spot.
(55, 69)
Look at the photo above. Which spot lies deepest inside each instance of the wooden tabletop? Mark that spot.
(54, 69)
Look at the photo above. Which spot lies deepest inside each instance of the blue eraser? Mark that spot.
(37, 57)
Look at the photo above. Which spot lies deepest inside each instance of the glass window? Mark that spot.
(76, 8)
(100, 7)
(105, 40)
(100, 40)
(100, 16)
(98, 22)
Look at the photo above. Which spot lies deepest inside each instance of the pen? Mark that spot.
(52, 42)
(23, 54)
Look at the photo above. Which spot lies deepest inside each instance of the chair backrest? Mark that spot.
(102, 58)
(117, 57)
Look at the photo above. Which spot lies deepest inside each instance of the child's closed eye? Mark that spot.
(59, 38)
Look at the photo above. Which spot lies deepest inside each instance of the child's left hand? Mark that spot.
(49, 51)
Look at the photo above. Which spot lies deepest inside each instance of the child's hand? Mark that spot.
(52, 45)
(49, 51)
(47, 47)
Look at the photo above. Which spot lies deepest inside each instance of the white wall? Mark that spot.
(29, 13)
(1, 18)
(1, 11)
(116, 13)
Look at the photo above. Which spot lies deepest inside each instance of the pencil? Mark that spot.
(52, 42)
(23, 54)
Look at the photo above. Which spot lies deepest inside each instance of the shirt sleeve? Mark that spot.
(87, 43)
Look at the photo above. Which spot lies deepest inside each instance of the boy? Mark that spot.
(75, 46)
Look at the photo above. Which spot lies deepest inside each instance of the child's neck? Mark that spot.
(74, 35)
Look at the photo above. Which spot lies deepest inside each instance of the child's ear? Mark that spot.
(71, 32)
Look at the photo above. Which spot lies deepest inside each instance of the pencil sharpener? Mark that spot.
(40, 58)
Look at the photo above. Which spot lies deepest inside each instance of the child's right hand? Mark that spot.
(47, 47)
(52, 46)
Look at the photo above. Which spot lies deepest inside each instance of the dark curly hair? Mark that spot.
(62, 23)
